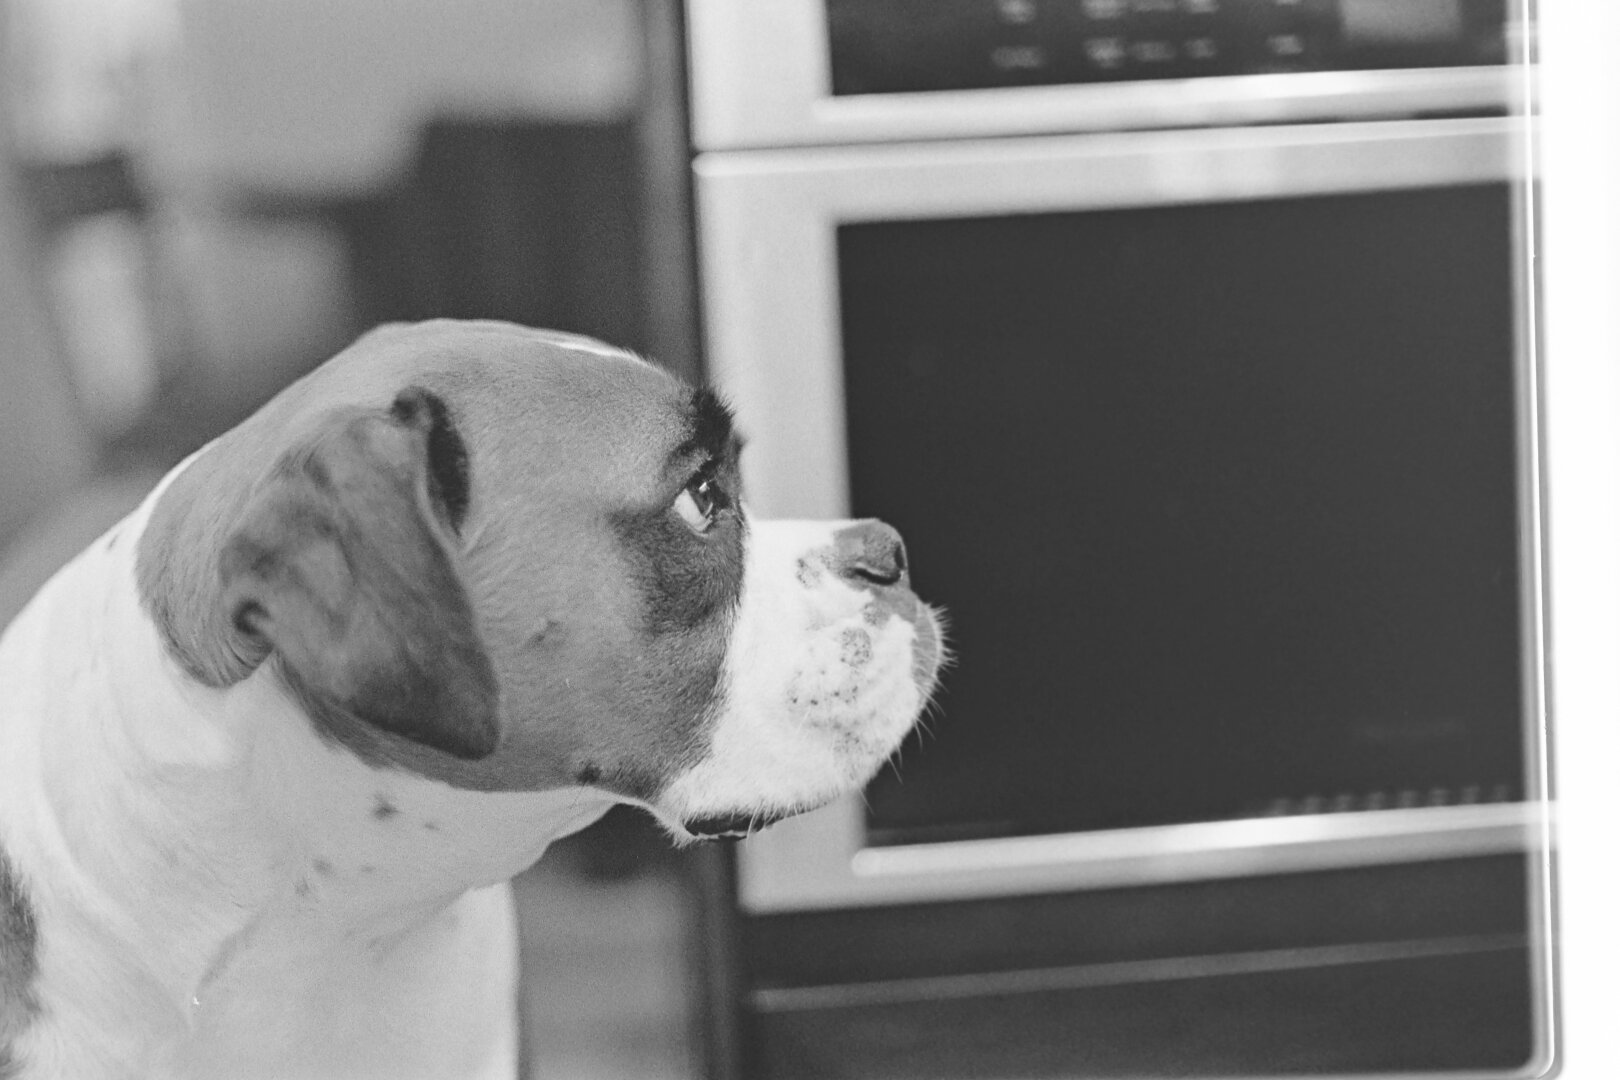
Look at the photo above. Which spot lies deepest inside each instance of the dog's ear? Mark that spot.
(342, 567)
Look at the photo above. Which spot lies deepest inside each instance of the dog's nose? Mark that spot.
(871, 553)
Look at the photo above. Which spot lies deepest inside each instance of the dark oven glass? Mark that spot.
(1222, 501)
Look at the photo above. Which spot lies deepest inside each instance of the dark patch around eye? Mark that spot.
(690, 581)
(686, 581)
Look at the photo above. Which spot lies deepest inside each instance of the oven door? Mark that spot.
(1217, 444)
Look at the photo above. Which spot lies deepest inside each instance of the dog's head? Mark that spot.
(513, 560)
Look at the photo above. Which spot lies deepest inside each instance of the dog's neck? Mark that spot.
(235, 836)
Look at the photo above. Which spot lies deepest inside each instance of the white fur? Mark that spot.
(214, 892)
(820, 683)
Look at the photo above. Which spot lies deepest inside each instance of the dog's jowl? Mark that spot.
(271, 755)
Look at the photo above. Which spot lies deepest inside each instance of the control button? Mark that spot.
(1017, 12)
(1107, 53)
(1103, 9)
(1018, 57)
(1285, 45)
(1203, 48)
(1153, 52)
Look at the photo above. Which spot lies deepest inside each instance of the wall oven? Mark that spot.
(1188, 343)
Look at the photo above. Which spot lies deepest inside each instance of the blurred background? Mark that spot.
(1186, 340)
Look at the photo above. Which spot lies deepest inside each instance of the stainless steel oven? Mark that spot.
(1188, 343)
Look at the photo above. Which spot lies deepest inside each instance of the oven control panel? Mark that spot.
(907, 46)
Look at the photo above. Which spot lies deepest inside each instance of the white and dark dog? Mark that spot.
(271, 748)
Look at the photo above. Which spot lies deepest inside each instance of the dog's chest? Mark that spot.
(435, 1001)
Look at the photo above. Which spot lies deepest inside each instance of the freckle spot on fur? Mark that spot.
(588, 774)
(368, 869)
(302, 888)
(323, 868)
(430, 826)
(382, 809)
(857, 647)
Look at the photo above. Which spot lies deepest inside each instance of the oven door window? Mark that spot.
(1222, 501)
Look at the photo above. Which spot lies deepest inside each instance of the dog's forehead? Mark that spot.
(535, 406)
(571, 419)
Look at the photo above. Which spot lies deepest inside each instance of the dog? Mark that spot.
(271, 749)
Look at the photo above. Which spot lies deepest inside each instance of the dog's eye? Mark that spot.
(698, 502)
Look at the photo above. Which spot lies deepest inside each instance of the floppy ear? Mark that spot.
(341, 568)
